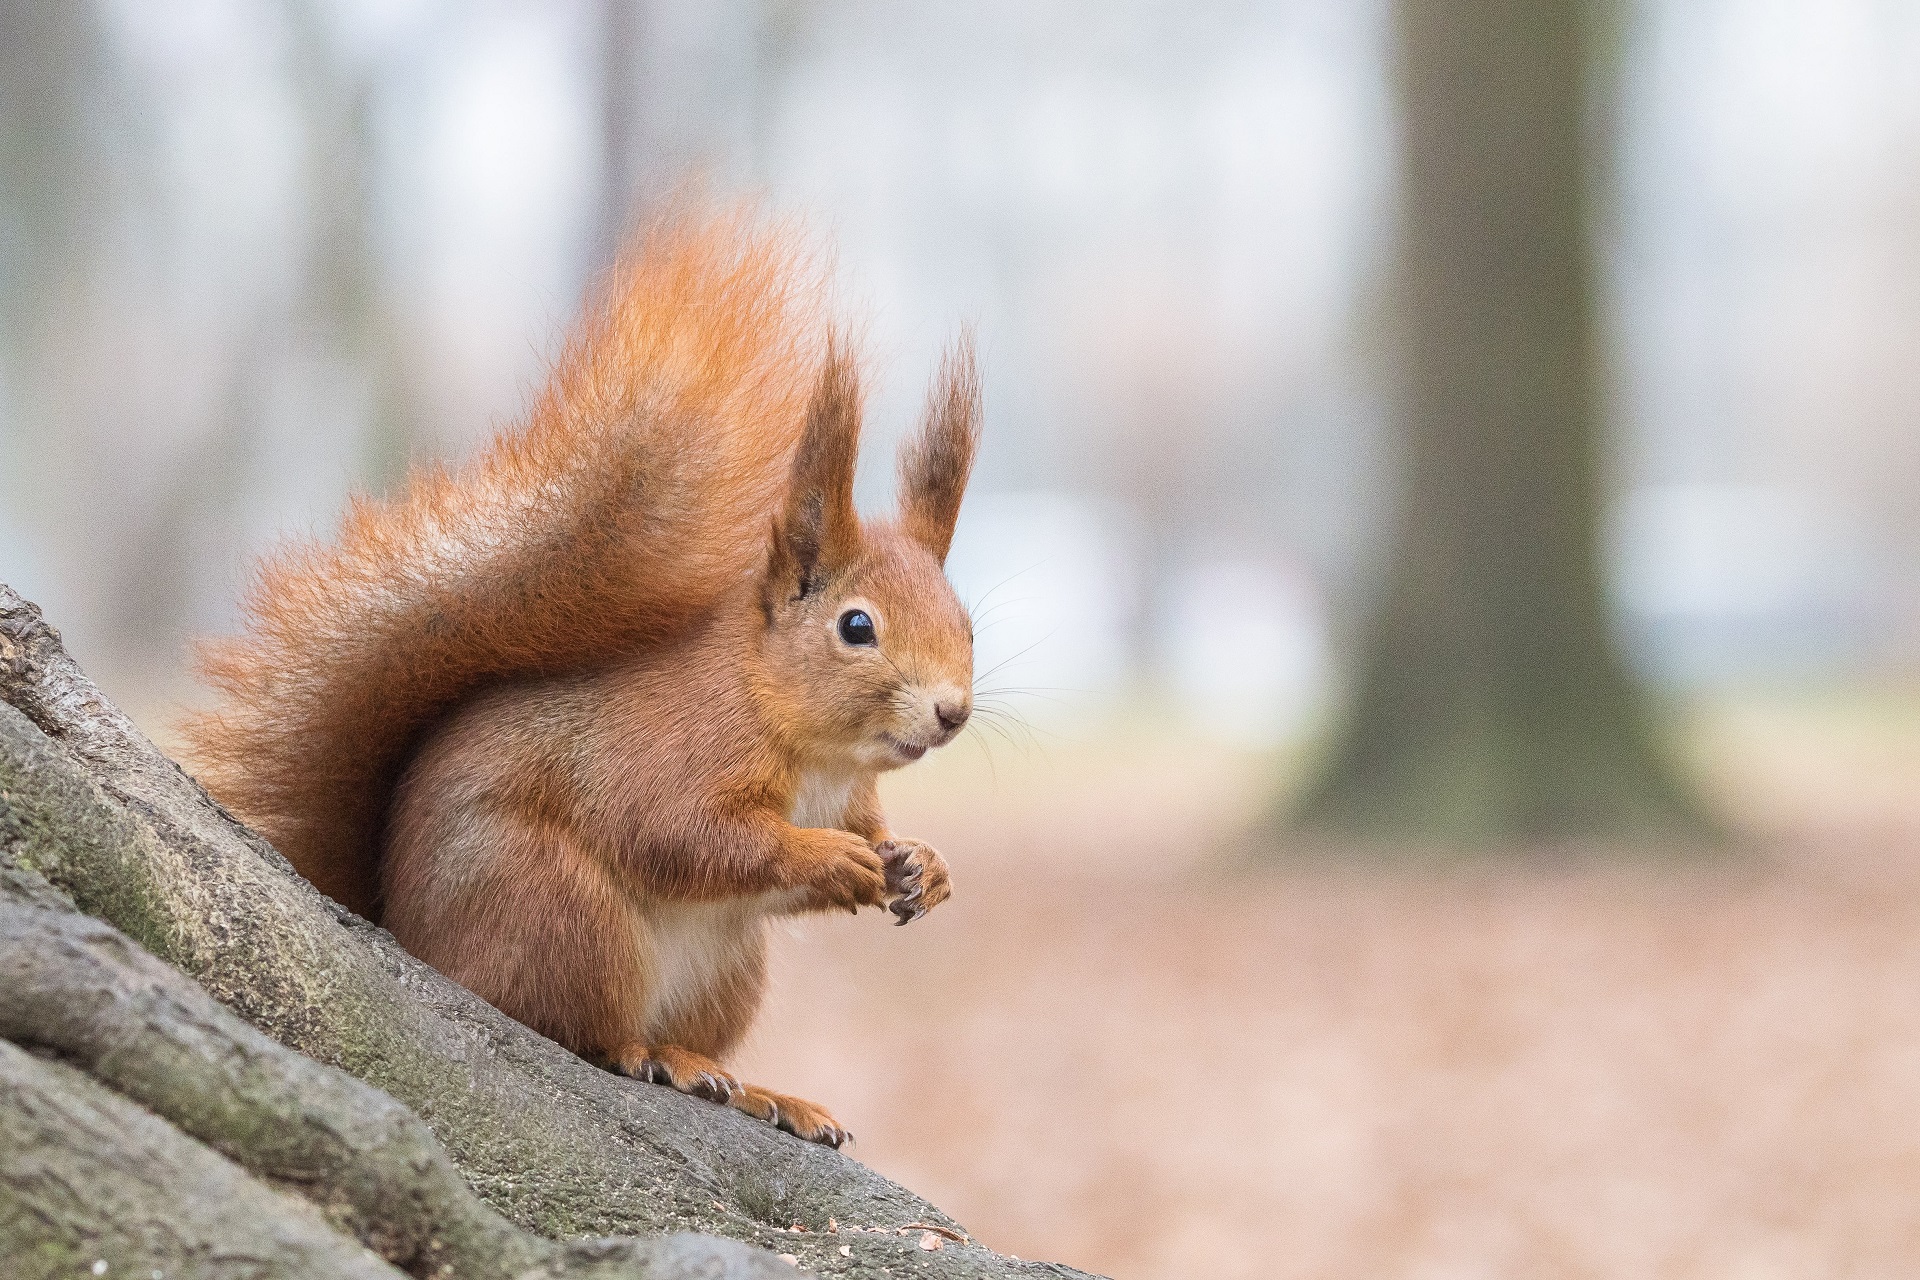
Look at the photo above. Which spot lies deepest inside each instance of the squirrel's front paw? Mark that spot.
(917, 878)
(840, 870)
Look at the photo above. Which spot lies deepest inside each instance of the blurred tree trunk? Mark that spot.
(345, 306)
(1491, 703)
(620, 133)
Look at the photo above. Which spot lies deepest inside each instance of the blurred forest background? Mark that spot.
(257, 253)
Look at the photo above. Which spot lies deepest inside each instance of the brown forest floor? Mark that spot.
(1110, 1051)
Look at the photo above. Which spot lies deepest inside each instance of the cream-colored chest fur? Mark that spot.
(690, 950)
(821, 799)
(690, 953)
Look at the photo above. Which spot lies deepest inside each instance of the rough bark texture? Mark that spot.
(1491, 702)
(290, 1093)
(90, 1176)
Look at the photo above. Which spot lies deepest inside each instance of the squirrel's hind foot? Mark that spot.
(701, 1076)
(677, 1068)
(797, 1116)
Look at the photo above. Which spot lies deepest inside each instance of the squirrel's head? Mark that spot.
(869, 650)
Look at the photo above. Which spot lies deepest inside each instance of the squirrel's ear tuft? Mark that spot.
(934, 465)
(818, 531)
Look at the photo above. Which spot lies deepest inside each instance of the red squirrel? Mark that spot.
(575, 720)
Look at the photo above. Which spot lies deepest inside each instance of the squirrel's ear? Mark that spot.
(934, 465)
(818, 530)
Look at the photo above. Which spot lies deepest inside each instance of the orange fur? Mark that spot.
(633, 496)
(576, 719)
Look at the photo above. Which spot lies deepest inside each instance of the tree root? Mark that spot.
(480, 1144)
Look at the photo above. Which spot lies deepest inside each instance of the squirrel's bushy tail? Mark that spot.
(638, 489)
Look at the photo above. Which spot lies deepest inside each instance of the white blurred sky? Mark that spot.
(1167, 222)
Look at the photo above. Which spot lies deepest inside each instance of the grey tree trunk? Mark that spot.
(621, 132)
(208, 1069)
(1491, 703)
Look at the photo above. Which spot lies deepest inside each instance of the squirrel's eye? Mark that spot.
(857, 628)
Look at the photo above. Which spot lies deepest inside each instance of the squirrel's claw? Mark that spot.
(916, 875)
(796, 1116)
(676, 1068)
(718, 1088)
(908, 907)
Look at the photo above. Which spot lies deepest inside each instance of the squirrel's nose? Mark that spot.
(951, 715)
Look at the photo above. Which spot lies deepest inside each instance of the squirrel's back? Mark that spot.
(637, 491)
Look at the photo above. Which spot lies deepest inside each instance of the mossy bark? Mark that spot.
(90, 1177)
(300, 1045)
(1491, 704)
